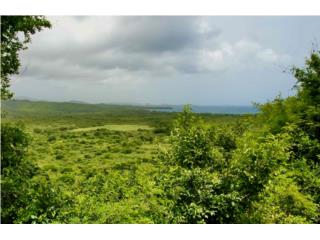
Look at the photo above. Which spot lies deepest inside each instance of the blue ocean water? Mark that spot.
(211, 109)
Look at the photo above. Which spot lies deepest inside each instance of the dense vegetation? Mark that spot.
(268, 173)
(82, 163)
(88, 163)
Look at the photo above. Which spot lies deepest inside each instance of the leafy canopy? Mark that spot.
(12, 27)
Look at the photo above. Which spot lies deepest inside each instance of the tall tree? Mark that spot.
(17, 172)
(308, 84)
(16, 32)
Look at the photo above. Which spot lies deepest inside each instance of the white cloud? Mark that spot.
(269, 55)
(243, 54)
(125, 54)
(89, 48)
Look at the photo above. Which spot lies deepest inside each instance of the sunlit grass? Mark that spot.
(113, 127)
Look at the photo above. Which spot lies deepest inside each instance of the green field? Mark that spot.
(88, 163)
(102, 158)
(114, 127)
(73, 162)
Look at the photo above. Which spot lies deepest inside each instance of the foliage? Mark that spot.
(255, 160)
(14, 144)
(282, 201)
(193, 181)
(15, 172)
(12, 43)
(198, 196)
(308, 80)
(103, 175)
(268, 174)
(191, 145)
(25, 196)
(295, 120)
(80, 163)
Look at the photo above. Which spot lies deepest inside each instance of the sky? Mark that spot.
(200, 60)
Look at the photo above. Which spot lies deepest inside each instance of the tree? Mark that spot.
(192, 180)
(308, 80)
(308, 85)
(12, 43)
(26, 193)
(284, 169)
(267, 174)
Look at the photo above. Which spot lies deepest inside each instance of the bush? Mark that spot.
(191, 145)
(14, 143)
(37, 130)
(59, 156)
(282, 201)
(52, 138)
(26, 195)
(193, 181)
(198, 196)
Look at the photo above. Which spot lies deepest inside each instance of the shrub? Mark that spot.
(191, 144)
(192, 180)
(52, 138)
(59, 156)
(14, 143)
(282, 201)
(26, 195)
(37, 130)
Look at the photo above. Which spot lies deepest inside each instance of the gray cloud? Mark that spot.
(159, 34)
(133, 43)
(140, 58)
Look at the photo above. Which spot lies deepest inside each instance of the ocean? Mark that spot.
(210, 109)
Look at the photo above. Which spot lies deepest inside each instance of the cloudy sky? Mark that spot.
(165, 60)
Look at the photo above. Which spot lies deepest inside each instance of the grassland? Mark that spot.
(102, 158)
(114, 127)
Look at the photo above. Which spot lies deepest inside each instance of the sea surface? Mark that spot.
(210, 109)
